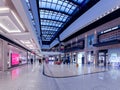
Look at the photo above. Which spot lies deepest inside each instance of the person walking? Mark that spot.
(31, 61)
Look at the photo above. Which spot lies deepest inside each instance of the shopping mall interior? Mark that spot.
(59, 44)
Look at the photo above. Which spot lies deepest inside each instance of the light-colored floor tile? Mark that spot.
(30, 77)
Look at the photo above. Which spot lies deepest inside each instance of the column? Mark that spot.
(0, 54)
(95, 49)
(85, 49)
(5, 55)
(59, 48)
(96, 57)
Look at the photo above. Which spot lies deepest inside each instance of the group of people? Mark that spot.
(39, 60)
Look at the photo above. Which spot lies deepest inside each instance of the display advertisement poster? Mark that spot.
(15, 58)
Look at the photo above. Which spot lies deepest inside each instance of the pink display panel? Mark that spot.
(15, 59)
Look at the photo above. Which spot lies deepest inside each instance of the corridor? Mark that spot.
(30, 77)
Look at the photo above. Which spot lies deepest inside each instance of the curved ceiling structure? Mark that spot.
(55, 15)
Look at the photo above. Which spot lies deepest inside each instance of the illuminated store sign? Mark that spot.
(15, 59)
(110, 29)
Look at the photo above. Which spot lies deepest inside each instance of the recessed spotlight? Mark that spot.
(97, 18)
(113, 10)
(108, 12)
(101, 16)
(117, 7)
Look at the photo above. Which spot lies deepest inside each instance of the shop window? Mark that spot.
(90, 41)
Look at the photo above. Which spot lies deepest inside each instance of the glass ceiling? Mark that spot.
(54, 14)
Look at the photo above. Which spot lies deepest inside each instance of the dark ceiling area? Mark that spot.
(56, 15)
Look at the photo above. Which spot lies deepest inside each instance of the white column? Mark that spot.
(95, 48)
(0, 54)
(4, 55)
(85, 49)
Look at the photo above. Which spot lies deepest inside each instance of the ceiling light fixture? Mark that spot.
(4, 9)
(18, 20)
(25, 42)
(10, 31)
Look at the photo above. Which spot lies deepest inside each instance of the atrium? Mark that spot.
(59, 44)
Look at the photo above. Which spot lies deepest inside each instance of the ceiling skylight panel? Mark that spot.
(53, 6)
(66, 10)
(50, 23)
(43, 23)
(64, 19)
(49, 0)
(48, 5)
(74, 7)
(48, 36)
(65, 4)
(70, 11)
(41, 16)
(62, 8)
(69, 6)
(60, 2)
(49, 17)
(58, 7)
(45, 16)
(53, 17)
(56, 18)
(79, 1)
(60, 18)
(55, 1)
(43, 4)
(58, 14)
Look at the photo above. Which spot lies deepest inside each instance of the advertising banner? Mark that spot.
(15, 59)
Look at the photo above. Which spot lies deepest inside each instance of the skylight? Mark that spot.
(54, 14)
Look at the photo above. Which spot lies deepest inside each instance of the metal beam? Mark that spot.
(54, 11)
(50, 26)
(52, 20)
(74, 2)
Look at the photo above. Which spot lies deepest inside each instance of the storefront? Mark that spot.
(74, 57)
(114, 57)
(80, 58)
(103, 57)
(90, 57)
(16, 56)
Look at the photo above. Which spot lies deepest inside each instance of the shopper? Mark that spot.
(31, 61)
(40, 61)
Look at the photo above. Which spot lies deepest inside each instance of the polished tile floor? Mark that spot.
(30, 77)
(71, 70)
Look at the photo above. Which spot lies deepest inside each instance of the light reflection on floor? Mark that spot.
(15, 73)
(30, 77)
(67, 70)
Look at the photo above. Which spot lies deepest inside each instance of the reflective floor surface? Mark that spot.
(71, 70)
(30, 77)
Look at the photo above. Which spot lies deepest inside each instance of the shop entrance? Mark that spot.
(102, 60)
(90, 57)
(74, 57)
(80, 57)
